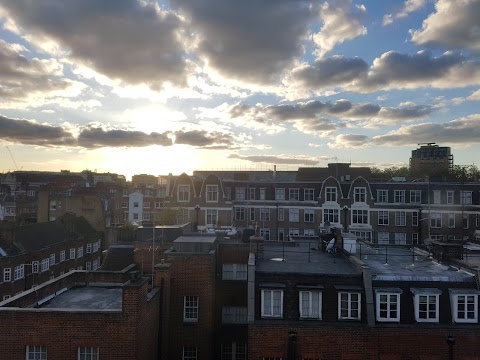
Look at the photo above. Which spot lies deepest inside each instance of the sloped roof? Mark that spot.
(118, 257)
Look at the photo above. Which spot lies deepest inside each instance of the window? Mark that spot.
(19, 272)
(265, 233)
(308, 215)
(308, 194)
(281, 214)
(189, 353)
(135, 216)
(234, 272)
(36, 353)
(359, 194)
(383, 238)
(80, 252)
(415, 218)
(183, 216)
(451, 220)
(125, 192)
(35, 267)
(436, 220)
(272, 303)
(426, 304)
(293, 232)
(72, 253)
(414, 238)
(415, 196)
(330, 215)
(310, 303)
(400, 218)
(251, 193)
(388, 306)
(349, 305)
(280, 194)
(190, 308)
(96, 246)
(293, 194)
(183, 193)
(135, 204)
(264, 214)
(331, 194)
(400, 238)
(234, 351)
(95, 265)
(383, 218)
(88, 266)
(359, 216)
(466, 197)
(450, 197)
(399, 196)
(5, 297)
(364, 235)
(88, 353)
(158, 205)
(7, 274)
(53, 204)
(436, 196)
(44, 265)
(89, 248)
(212, 193)
(234, 315)
(382, 196)
(281, 234)
(240, 193)
(212, 216)
(252, 214)
(240, 213)
(309, 232)
(293, 215)
(263, 193)
(465, 221)
(124, 205)
(464, 305)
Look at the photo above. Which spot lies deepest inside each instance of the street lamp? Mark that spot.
(450, 343)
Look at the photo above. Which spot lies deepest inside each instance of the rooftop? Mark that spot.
(302, 257)
(87, 298)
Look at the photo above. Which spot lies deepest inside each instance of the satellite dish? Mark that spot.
(330, 245)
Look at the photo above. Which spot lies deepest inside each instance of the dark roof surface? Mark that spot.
(118, 257)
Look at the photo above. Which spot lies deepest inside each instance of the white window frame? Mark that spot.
(386, 306)
(189, 353)
(72, 253)
(400, 238)
(88, 249)
(45, 265)
(36, 352)
(415, 196)
(414, 218)
(382, 196)
(264, 214)
(294, 194)
(88, 353)
(237, 272)
(399, 196)
(349, 302)
(360, 216)
(265, 233)
(279, 193)
(312, 307)
(234, 315)
(400, 218)
(267, 305)
(450, 197)
(419, 303)
(190, 308)
(330, 194)
(435, 220)
(80, 252)
(437, 197)
(19, 272)
(183, 193)
(383, 238)
(451, 220)
(308, 194)
(293, 215)
(7, 274)
(360, 194)
(466, 197)
(35, 267)
(470, 305)
(281, 214)
(309, 215)
(383, 217)
(240, 213)
(211, 193)
(263, 194)
(240, 193)
(211, 217)
(331, 215)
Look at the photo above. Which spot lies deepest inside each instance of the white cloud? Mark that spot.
(408, 7)
(475, 96)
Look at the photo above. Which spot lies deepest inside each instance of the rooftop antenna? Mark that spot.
(14, 162)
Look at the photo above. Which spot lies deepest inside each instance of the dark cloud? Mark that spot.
(129, 40)
(200, 138)
(318, 127)
(249, 40)
(333, 71)
(453, 25)
(405, 112)
(21, 77)
(31, 133)
(277, 159)
(96, 137)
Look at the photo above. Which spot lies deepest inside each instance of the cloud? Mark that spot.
(250, 40)
(201, 138)
(279, 159)
(342, 21)
(31, 133)
(332, 71)
(475, 96)
(454, 25)
(132, 41)
(394, 70)
(21, 78)
(408, 7)
(463, 131)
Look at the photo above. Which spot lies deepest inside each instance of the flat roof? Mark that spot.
(401, 264)
(302, 257)
(87, 298)
(196, 239)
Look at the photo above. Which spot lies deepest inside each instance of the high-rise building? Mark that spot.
(430, 157)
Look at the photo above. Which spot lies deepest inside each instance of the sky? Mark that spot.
(158, 87)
